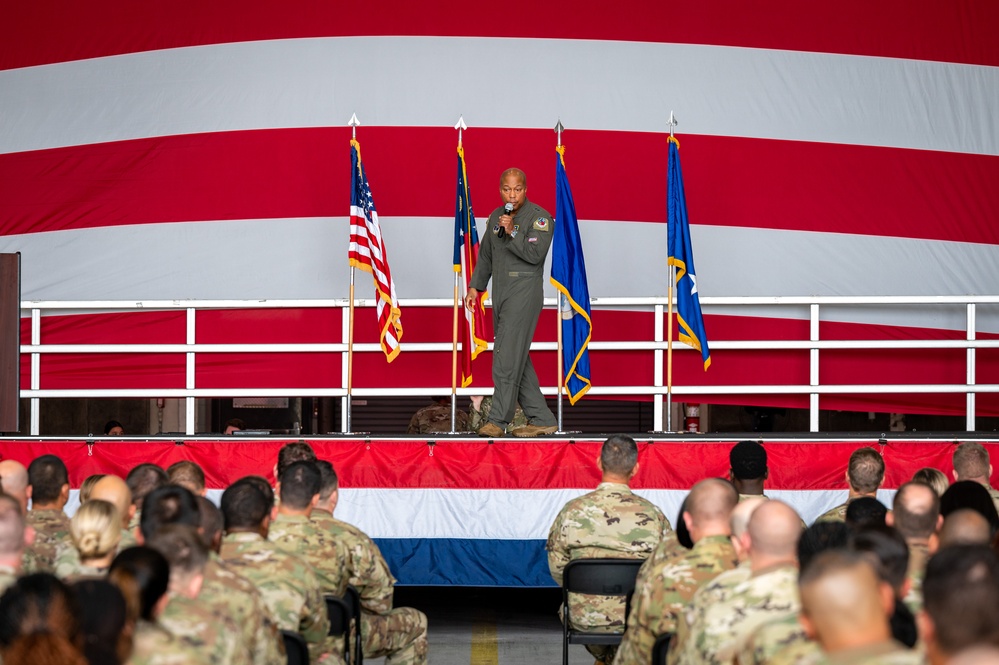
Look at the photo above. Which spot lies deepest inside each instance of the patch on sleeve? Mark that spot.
(496, 229)
(541, 224)
(532, 238)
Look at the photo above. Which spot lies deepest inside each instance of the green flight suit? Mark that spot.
(516, 263)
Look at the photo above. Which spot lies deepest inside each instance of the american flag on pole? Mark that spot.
(367, 252)
(466, 255)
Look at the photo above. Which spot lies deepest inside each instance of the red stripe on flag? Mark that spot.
(288, 173)
(35, 32)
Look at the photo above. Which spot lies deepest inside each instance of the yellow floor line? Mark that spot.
(484, 646)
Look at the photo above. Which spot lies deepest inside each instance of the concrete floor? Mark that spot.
(491, 626)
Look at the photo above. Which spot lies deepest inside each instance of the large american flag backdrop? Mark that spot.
(200, 150)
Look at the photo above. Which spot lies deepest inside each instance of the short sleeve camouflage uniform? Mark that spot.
(399, 633)
(610, 522)
(666, 591)
(288, 585)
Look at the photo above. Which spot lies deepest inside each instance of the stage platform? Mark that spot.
(476, 512)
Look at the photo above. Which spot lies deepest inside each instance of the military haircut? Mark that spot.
(619, 455)
(187, 474)
(888, 550)
(261, 484)
(143, 479)
(183, 548)
(961, 596)
(971, 460)
(211, 522)
(46, 475)
(748, 460)
(866, 470)
(832, 561)
(143, 575)
(711, 499)
(12, 524)
(244, 506)
(865, 511)
(299, 451)
(38, 603)
(916, 510)
(965, 527)
(170, 504)
(820, 537)
(299, 483)
(328, 482)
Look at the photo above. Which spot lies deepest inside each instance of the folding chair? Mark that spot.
(600, 577)
(661, 648)
(295, 647)
(341, 611)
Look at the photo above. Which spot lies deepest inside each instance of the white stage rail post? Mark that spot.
(657, 370)
(190, 419)
(813, 368)
(36, 370)
(970, 405)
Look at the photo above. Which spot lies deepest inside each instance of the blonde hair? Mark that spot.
(935, 478)
(88, 486)
(96, 529)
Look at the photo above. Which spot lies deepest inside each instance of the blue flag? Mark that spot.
(688, 303)
(569, 277)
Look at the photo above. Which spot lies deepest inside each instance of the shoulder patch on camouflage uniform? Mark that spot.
(495, 229)
(541, 224)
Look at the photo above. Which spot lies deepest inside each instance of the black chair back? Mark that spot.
(600, 577)
(342, 611)
(295, 647)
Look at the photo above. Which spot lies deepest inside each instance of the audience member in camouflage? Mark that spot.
(669, 587)
(142, 480)
(436, 418)
(478, 414)
(14, 482)
(186, 614)
(294, 531)
(611, 522)
(222, 590)
(722, 623)
(12, 543)
(865, 473)
(48, 487)
(844, 606)
(398, 633)
(971, 462)
(287, 583)
(783, 637)
(916, 515)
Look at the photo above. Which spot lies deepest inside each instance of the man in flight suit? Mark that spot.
(515, 260)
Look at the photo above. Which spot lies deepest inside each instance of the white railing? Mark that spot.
(657, 346)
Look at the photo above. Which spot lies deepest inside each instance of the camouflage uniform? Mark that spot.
(8, 575)
(837, 514)
(776, 637)
(608, 523)
(399, 633)
(798, 652)
(152, 644)
(51, 528)
(479, 417)
(436, 418)
(883, 653)
(721, 629)
(300, 535)
(68, 566)
(994, 494)
(714, 591)
(919, 554)
(288, 585)
(667, 589)
(234, 596)
(668, 549)
(214, 634)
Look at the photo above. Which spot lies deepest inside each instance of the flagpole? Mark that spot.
(350, 316)
(558, 316)
(669, 320)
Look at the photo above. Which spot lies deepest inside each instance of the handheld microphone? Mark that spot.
(507, 210)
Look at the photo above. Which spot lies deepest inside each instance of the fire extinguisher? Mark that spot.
(693, 421)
